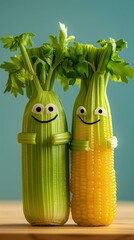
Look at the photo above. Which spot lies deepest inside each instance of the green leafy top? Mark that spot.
(13, 43)
(82, 60)
(34, 66)
(18, 76)
(37, 68)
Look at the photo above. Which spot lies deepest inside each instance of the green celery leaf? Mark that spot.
(82, 69)
(60, 45)
(23, 75)
(13, 85)
(120, 71)
(72, 81)
(120, 44)
(13, 66)
(116, 58)
(10, 42)
(17, 75)
(17, 60)
(62, 35)
(64, 82)
(47, 50)
(102, 42)
(54, 41)
(9, 66)
(26, 39)
(63, 39)
(47, 54)
(72, 74)
(13, 43)
(74, 65)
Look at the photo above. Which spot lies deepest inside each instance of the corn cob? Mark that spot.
(93, 182)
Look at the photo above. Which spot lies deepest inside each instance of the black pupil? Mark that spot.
(100, 110)
(38, 109)
(82, 110)
(50, 109)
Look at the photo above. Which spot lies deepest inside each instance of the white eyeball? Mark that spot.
(100, 111)
(38, 108)
(81, 111)
(51, 108)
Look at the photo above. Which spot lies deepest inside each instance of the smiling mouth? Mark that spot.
(89, 123)
(45, 121)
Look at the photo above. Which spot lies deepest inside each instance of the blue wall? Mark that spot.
(88, 20)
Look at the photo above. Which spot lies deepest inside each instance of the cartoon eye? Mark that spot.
(81, 111)
(38, 108)
(51, 108)
(100, 111)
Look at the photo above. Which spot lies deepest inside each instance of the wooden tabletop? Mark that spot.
(14, 226)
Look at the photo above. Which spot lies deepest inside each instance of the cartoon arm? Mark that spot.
(79, 145)
(61, 138)
(27, 138)
(112, 142)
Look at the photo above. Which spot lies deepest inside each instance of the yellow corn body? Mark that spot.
(93, 181)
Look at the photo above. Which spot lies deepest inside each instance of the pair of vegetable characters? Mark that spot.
(45, 138)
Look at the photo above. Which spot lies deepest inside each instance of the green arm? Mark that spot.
(27, 138)
(112, 142)
(61, 138)
(79, 145)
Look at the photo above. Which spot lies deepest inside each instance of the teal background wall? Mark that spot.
(88, 20)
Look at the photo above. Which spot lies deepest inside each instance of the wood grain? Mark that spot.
(14, 226)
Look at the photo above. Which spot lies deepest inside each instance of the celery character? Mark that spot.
(44, 136)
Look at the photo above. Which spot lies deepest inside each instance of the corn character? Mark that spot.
(93, 178)
(94, 198)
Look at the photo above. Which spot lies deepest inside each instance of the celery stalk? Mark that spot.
(45, 165)
(45, 136)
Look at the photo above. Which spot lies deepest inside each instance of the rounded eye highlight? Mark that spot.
(51, 108)
(81, 111)
(100, 111)
(38, 108)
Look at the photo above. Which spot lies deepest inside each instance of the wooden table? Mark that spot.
(14, 226)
